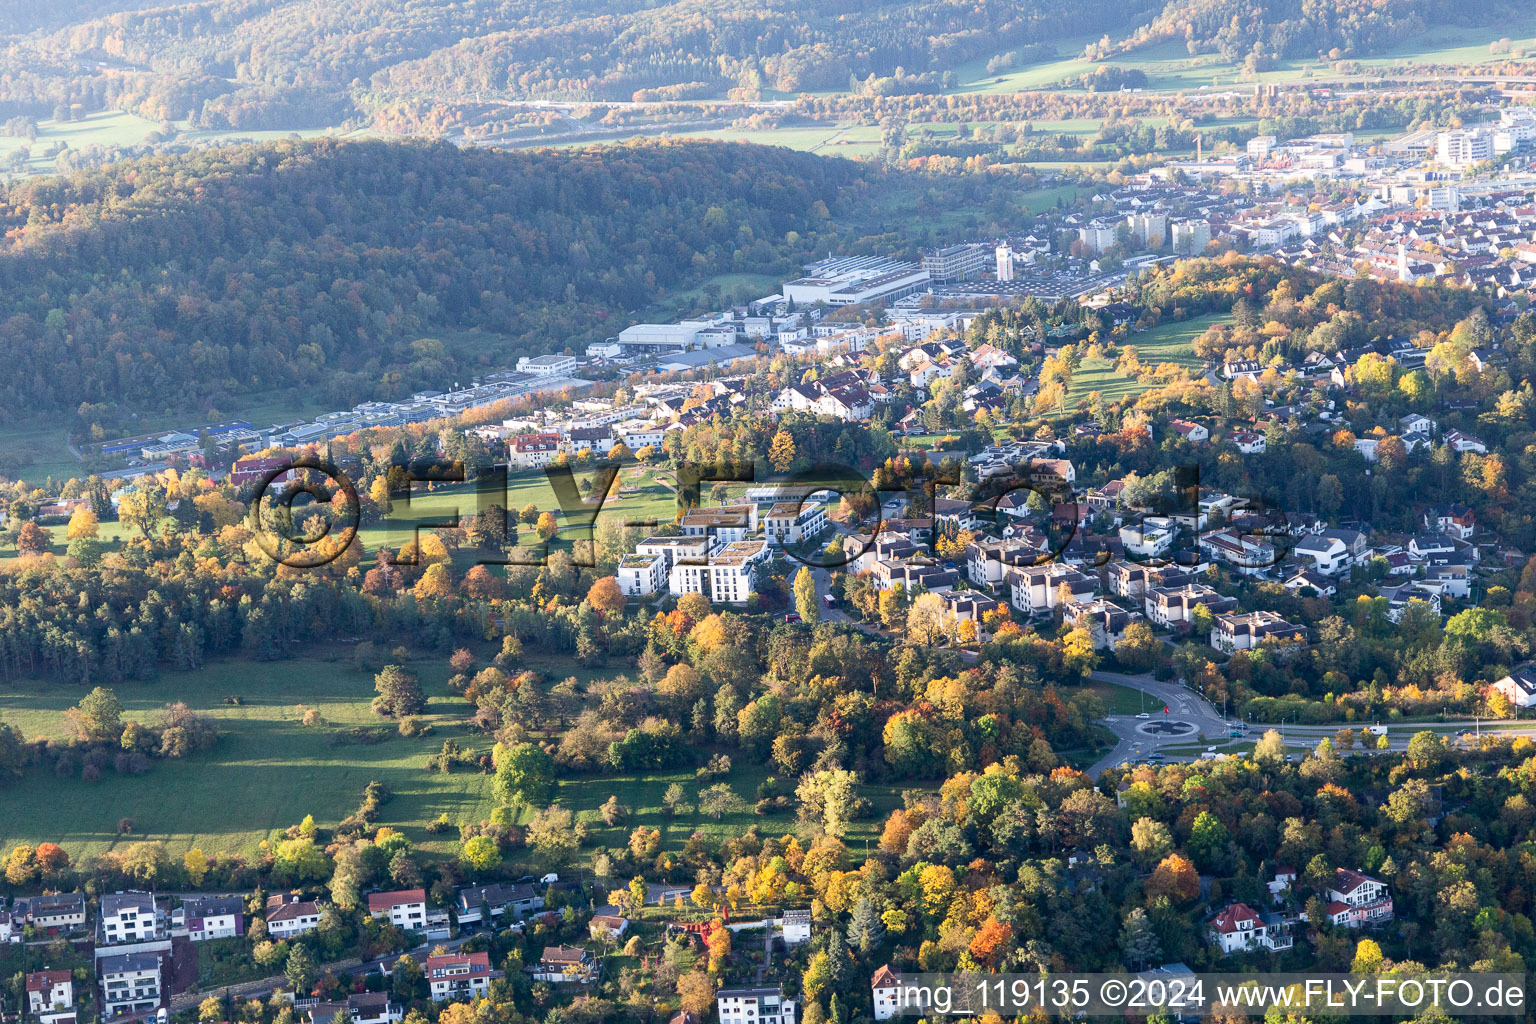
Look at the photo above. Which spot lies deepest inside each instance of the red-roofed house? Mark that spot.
(531, 451)
(48, 991)
(459, 975)
(1192, 432)
(1358, 900)
(288, 915)
(885, 987)
(1239, 929)
(404, 909)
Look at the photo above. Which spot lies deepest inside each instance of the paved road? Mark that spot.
(1184, 706)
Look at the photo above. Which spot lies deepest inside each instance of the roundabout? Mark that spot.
(1166, 729)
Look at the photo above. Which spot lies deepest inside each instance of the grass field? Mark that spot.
(116, 130)
(268, 770)
(1170, 66)
(652, 502)
(1165, 343)
(1119, 700)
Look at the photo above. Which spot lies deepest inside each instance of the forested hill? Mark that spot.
(289, 64)
(1261, 31)
(243, 270)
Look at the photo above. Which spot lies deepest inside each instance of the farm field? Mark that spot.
(1165, 343)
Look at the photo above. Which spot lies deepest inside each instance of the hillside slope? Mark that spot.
(248, 269)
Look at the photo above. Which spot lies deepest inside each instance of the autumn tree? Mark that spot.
(805, 595)
(1176, 878)
(606, 597)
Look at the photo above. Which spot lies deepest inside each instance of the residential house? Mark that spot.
(795, 927)
(1152, 537)
(1037, 589)
(130, 983)
(1249, 442)
(212, 917)
(1415, 422)
(988, 562)
(1242, 632)
(961, 606)
(760, 1004)
(1280, 885)
(1246, 553)
(533, 451)
(360, 1008)
(49, 992)
(728, 576)
(1461, 442)
(1452, 520)
(722, 524)
(1332, 551)
(477, 904)
(1239, 929)
(128, 917)
(406, 908)
(910, 573)
(1357, 900)
(1435, 548)
(1519, 687)
(1453, 581)
(289, 914)
(1190, 431)
(598, 440)
(608, 926)
(564, 964)
(885, 989)
(459, 976)
(1134, 579)
(952, 511)
(1316, 581)
(1398, 599)
(642, 575)
(50, 915)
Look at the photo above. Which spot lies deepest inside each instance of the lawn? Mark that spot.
(1165, 343)
(1119, 700)
(653, 503)
(266, 773)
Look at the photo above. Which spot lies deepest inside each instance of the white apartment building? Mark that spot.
(127, 917)
(642, 575)
(1037, 589)
(725, 578)
(130, 983)
(724, 524)
(756, 1005)
(787, 523)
